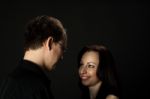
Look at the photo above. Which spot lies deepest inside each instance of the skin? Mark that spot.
(112, 97)
(45, 56)
(87, 72)
(51, 53)
(88, 67)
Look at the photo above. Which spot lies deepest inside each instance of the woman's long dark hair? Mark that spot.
(106, 71)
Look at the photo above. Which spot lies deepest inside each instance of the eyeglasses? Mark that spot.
(63, 48)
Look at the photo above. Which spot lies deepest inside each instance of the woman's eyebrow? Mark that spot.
(91, 63)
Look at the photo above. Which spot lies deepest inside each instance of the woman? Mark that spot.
(97, 73)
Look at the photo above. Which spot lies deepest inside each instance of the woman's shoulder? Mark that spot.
(111, 96)
(108, 92)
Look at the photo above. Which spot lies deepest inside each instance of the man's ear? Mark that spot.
(49, 42)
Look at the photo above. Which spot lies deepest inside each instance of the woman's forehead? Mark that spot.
(90, 57)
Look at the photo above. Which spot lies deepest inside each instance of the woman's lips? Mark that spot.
(84, 77)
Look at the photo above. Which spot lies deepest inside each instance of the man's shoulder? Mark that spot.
(26, 76)
(17, 87)
(17, 82)
(23, 76)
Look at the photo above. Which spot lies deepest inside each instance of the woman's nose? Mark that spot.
(84, 70)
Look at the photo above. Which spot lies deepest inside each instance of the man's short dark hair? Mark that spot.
(42, 27)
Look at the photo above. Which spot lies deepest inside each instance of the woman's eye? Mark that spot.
(91, 66)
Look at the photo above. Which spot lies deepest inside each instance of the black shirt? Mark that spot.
(103, 92)
(106, 90)
(27, 81)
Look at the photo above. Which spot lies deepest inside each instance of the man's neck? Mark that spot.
(34, 56)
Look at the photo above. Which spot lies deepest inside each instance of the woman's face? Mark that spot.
(88, 68)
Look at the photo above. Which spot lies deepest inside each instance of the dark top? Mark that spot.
(103, 92)
(106, 90)
(27, 81)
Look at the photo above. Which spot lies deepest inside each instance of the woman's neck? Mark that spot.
(94, 90)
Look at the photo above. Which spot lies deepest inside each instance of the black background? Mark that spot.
(123, 27)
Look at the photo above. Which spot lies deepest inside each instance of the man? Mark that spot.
(45, 42)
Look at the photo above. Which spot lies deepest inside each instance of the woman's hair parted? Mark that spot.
(106, 71)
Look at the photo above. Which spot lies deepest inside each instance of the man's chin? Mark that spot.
(50, 68)
(53, 67)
